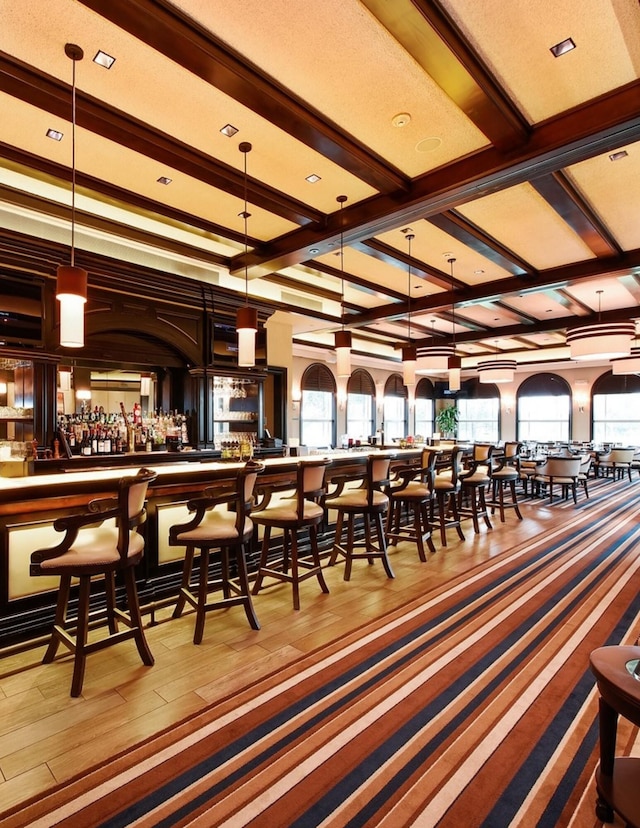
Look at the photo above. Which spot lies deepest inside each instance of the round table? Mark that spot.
(617, 672)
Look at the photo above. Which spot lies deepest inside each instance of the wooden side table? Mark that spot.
(617, 672)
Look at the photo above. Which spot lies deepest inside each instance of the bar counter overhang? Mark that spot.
(29, 506)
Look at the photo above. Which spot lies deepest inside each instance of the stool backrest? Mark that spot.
(310, 481)
(561, 467)
(132, 493)
(621, 455)
(512, 451)
(482, 452)
(377, 475)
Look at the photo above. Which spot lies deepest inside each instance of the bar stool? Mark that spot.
(446, 486)
(413, 492)
(474, 482)
(368, 502)
(89, 549)
(302, 511)
(504, 472)
(221, 531)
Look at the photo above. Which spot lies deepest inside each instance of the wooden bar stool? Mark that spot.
(413, 492)
(474, 481)
(446, 486)
(302, 511)
(368, 502)
(89, 549)
(218, 531)
(504, 473)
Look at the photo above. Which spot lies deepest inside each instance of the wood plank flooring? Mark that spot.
(47, 737)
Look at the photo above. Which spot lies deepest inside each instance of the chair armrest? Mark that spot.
(341, 480)
(103, 504)
(71, 525)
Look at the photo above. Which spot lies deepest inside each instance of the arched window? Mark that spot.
(317, 407)
(616, 409)
(361, 405)
(395, 408)
(544, 409)
(425, 404)
(478, 412)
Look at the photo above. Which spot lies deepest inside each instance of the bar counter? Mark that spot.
(29, 505)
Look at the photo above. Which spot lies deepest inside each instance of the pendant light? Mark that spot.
(64, 377)
(601, 340)
(496, 370)
(409, 352)
(246, 317)
(71, 284)
(454, 363)
(342, 340)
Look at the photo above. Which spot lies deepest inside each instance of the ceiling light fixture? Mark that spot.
(454, 362)
(313, 178)
(600, 340)
(342, 338)
(627, 365)
(435, 358)
(71, 285)
(401, 119)
(164, 180)
(496, 370)
(55, 134)
(145, 385)
(64, 377)
(103, 59)
(229, 130)
(409, 352)
(246, 317)
(618, 156)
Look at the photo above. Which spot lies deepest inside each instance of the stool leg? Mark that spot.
(382, 544)
(263, 560)
(315, 557)
(483, 506)
(453, 506)
(110, 600)
(349, 547)
(243, 579)
(426, 525)
(202, 596)
(60, 621)
(295, 582)
(338, 538)
(80, 658)
(514, 497)
(185, 584)
(417, 528)
(367, 538)
(135, 615)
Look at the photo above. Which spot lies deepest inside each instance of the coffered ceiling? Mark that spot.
(452, 119)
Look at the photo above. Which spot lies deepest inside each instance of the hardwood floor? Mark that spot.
(47, 737)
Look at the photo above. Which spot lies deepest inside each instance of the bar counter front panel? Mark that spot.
(30, 505)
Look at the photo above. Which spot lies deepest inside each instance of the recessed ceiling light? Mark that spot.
(563, 47)
(478, 272)
(164, 180)
(103, 59)
(55, 134)
(229, 130)
(313, 178)
(617, 156)
(401, 119)
(313, 250)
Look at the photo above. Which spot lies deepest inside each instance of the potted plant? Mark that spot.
(447, 421)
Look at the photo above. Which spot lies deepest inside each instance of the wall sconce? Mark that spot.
(581, 396)
(83, 394)
(342, 399)
(509, 402)
(296, 397)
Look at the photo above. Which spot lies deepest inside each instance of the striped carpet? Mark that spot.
(472, 707)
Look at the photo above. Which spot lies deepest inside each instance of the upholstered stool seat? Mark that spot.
(413, 492)
(91, 548)
(368, 503)
(562, 471)
(301, 511)
(214, 531)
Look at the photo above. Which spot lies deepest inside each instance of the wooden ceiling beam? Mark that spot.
(167, 30)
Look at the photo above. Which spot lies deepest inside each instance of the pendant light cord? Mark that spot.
(74, 53)
(409, 237)
(341, 200)
(453, 307)
(245, 148)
